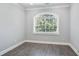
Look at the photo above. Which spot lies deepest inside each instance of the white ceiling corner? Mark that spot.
(42, 5)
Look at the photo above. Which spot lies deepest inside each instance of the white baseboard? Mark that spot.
(45, 42)
(42, 42)
(74, 49)
(10, 48)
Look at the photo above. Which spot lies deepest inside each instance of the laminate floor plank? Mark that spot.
(37, 49)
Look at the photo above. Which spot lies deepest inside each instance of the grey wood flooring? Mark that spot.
(36, 49)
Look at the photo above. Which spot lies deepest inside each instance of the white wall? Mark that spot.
(64, 23)
(11, 25)
(75, 25)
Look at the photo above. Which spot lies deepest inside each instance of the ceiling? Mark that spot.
(41, 5)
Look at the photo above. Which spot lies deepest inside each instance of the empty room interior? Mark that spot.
(39, 29)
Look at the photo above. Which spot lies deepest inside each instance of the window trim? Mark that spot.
(34, 24)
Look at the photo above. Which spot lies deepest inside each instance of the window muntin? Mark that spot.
(46, 23)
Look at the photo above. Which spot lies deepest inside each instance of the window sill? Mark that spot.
(46, 33)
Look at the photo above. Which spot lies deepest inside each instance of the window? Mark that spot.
(46, 23)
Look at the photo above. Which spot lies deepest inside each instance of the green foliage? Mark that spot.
(46, 25)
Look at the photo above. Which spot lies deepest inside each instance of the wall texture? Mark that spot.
(75, 25)
(64, 25)
(11, 25)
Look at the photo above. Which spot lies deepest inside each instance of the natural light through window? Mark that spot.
(46, 23)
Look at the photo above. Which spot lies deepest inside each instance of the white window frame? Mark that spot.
(34, 24)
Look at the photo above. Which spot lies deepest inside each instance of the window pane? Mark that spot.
(53, 28)
(46, 23)
(51, 24)
(40, 24)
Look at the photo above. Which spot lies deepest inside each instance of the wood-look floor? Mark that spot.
(35, 49)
